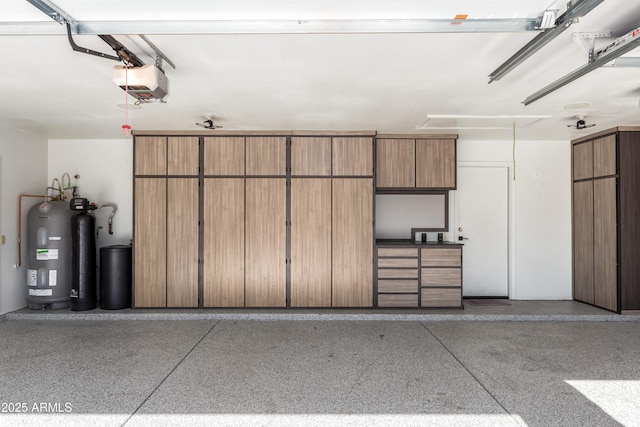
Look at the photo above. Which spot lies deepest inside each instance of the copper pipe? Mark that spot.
(20, 223)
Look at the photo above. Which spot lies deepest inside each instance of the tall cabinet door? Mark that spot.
(223, 242)
(265, 242)
(182, 242)
(605, 251)
(583, 241)
(150, 222)
(311, 242)
(352, 235)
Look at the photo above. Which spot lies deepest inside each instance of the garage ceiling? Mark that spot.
(298, 79)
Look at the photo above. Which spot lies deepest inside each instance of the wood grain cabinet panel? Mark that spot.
(352, 236)
(395, 163)
(266, 156)
(353, 156)
(311, 242)
(223, 281)
(398, 252)
(183, 155)
(605, 251)
(150, 155)
(311, 156)
(150, 240)
(604, 156)
(391, 285)
(583, 160)
(441, 257)
(265, 242)
(441, 277)
(583, 241)
(441, 297)
(398, 262)
(224, 155)
(436, 163)
(398, 273)
(182, 242)
(398, 300)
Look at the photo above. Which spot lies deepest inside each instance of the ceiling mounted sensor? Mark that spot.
(208, 122)
(581, 123)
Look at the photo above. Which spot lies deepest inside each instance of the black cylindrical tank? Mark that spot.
(49, 255)
(115, 277)
(83, 262)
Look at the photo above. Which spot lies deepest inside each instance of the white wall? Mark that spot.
(541, 213)
(105, 170)
(23, 169)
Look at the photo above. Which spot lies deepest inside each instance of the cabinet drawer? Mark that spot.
(449, 257)
(397, 286)
(398, 273)
(398, 300)
(441, 277)
(398, 252)
(398, 262)
(441, 298)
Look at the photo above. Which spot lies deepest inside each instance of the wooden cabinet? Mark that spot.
(352, 156)
(352, 237)
(395, 163)
(310, 156)
(182, 242)
(150, 249)
(266, 156)
(150, 155)
(397, 277)
(436, 163)
(311, 242)
(265, 242)
(224, 237)
(583, 241)
(606, 202)
(253, 220)
(420, 162)
(224, 155)
(441, 276)
(415, 275)
(166, 221)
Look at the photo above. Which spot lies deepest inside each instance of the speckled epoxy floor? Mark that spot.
(315, 372)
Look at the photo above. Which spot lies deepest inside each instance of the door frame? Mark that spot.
(454, 218)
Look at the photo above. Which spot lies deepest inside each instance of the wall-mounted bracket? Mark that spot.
(588, 42)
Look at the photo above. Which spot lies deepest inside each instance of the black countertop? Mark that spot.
(409, 242)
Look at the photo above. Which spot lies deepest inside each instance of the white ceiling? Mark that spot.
(384, 82)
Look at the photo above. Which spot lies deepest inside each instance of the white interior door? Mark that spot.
(482, 206)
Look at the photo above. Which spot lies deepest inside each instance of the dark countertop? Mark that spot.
(408, 242)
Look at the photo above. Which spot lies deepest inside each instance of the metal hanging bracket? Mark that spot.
(588, 42)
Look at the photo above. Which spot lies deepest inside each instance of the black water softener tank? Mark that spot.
(83, 258)
(115, 277)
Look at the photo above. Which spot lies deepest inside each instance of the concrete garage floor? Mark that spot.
(59, 369)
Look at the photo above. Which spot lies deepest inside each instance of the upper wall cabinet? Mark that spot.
(311, 156)
(353, 156)
(224, 155)
(266, 156)
(419, 162)
(150, 154)
(174, 155)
